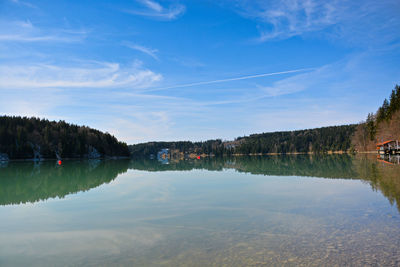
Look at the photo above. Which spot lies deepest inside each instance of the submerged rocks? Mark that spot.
(37, 156)
(57, 155)
(93, 153)
(4, 157)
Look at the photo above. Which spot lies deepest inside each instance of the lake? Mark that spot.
(240, 211)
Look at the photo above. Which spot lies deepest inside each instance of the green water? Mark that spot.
(332, 210)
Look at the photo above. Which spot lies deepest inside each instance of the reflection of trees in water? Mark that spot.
(22, 182)
(329, 166)
(381, 176)
(212, 164)
(28, 182)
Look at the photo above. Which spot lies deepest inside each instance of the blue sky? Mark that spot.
(147, 70)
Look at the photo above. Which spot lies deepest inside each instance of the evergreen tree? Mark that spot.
(371, 127)
(396, 100)
(383, 111)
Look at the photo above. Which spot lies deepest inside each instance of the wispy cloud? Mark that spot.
(231, 79)
(146, 50)
(156, 10)
(295, 83)
(43, 38)
(354, 21)
(141, 126)
(96, 75)
(152, 5)
(25, 31)
(38, 105)
(288, 18)
(189, 62)
(23, 3)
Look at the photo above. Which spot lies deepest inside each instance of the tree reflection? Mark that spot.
(22, 182)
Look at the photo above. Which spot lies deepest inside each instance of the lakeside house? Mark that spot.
(390, 147)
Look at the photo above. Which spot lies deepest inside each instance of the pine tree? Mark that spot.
(383, 111)
(396, 104)
(371, 127)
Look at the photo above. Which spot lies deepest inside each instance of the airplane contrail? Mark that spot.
(230, 79)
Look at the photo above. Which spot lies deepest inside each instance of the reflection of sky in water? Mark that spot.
(167, 218)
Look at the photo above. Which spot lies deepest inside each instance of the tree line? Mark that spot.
(23, 137)
(319, 140)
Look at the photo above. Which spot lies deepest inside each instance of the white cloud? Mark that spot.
(189, 62)
(29, 38)
(96, 75)
(157, 11)
(23, 3)
(39, 103)
(148, 51)
(25, 31)
(356, 22)
(22, 107)
(141, 126)
(152, 5)
(288, 18)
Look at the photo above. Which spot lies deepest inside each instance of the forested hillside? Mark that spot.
(380, 126)
(334, 138)
(22, 138)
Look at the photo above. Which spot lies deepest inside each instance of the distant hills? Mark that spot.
(333, 138)
(318, 140)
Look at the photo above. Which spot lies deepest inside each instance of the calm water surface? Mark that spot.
(247, 211)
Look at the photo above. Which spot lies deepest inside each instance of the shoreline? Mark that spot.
(55, 159)
(308, 153)
(203, 155)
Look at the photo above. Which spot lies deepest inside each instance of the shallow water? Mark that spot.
(246, 211)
